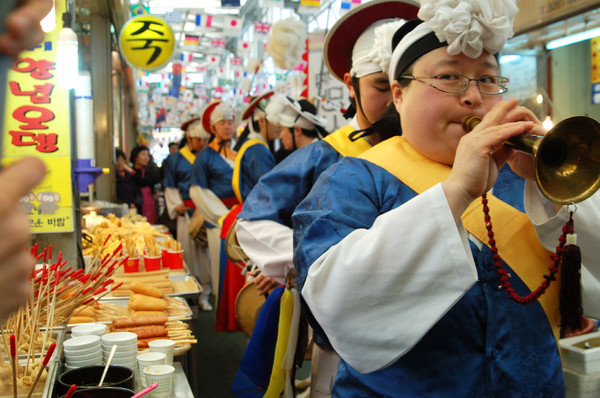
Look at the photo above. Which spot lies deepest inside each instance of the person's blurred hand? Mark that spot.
(22, 28)
(264, 284)
(16, 181)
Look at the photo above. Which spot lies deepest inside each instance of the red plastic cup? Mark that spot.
(132, 265)
(173, 259)
(152, 263)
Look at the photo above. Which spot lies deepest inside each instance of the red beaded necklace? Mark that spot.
(552, 269)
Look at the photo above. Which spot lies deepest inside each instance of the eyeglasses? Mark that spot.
(454, 83)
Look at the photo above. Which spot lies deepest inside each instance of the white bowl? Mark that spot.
(79, 357)
(88, 362)
(82, 352)
(81, 342)
(119, 338)
(97, 329)
(120, 347)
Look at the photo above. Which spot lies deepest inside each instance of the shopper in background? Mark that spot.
(145, 179)
(22, 31)
(180, 207)
(400, 276)
(127, 190)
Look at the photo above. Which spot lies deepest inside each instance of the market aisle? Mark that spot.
(216, 357)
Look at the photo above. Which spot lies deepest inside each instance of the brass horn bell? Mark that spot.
(566, 159)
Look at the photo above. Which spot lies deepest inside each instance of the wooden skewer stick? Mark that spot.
(42, 368)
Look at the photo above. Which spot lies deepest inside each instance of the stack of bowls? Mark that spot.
(82, 351)
(126, 353)
(87, 329)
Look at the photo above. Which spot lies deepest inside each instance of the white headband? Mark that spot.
(292, 115)
(223, 111)
(373, 48)
(195, 130)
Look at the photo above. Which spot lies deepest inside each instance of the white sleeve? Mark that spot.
(549, 223)
(172, 199)
(391, 265)
(208, 203)
(268, 244)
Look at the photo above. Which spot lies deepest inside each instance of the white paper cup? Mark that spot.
(165, 346)
(163, 375)
(148, 359)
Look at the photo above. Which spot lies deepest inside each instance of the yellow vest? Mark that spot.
(340, 142)
(513, 231)
(236, 180)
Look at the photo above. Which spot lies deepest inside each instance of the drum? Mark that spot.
(247, 307)
(232, 247)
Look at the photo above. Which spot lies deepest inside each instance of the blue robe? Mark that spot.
(211, 171)
(278, 192)
(256, 161)
(178, 174)
(486, 345)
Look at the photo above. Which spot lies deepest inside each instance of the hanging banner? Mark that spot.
(534, 14)
(147, 42)
(37, 123)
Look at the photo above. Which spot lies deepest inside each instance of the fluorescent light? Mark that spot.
(187, 4)
(227, 10)
(509, 58)
(573, 39)
(67, 58)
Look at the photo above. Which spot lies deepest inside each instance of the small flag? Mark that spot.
(233, 26)
(203, 21)
(174, 17)
(243, 47)
(190, 40)
(349, 4)
(235, 61)
(218, 43)
(262, 28)
(213, 61)
(309, 7)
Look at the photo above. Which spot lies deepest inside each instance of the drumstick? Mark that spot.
(44, 364)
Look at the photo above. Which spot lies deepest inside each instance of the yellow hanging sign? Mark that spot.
(147, 42)
(37, 123)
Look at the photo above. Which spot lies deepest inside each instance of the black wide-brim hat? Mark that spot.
(340, 40)
(254, 103)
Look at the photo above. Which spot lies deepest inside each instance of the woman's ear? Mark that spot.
(297, 131)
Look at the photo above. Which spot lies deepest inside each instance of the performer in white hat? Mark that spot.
(357, 51)
(396, 260)
(210, 184)
(180, 207)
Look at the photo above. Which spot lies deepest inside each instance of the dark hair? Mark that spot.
(173, 144)
(119, 153)
(307, 106)
(136, 151)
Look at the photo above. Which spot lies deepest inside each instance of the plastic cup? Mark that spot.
(163, 375)
(132, 265)
(152, 263)
(165, 346)
(148, 359)
(173, 259)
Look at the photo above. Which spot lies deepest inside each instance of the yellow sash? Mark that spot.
(187, 154)
(513, 232)
(340, 142)
(286, 309)
(236, 180)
